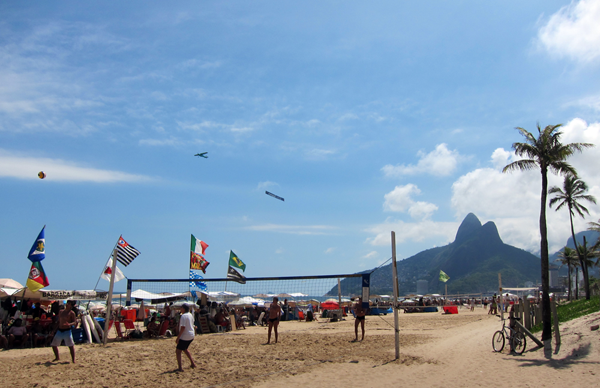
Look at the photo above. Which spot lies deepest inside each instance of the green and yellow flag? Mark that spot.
(443, 277)
(234, 261)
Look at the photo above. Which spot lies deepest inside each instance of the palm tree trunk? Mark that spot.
(569, 269)
(576, 283)
(546, 316)
(581, 258)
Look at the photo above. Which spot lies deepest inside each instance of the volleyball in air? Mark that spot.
(41, 175)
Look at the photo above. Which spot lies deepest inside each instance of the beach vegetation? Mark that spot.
(574, 309)
(568, 257)
(547, 153)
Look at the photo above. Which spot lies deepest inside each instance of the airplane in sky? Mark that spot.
(203, 155)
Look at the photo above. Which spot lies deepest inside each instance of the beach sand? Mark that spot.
(436, 350)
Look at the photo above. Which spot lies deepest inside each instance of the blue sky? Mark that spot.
(365, 118)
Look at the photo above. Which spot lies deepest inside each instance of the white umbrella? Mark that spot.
(9, 283)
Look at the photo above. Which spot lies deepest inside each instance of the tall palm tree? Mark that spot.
(572, 193)
(547, 153)
(568, 257)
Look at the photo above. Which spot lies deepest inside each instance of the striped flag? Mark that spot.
(125, 252)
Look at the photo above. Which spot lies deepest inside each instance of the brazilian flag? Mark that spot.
(235, 261)
(443, 277)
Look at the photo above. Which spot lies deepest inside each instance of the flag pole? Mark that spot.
(110, 294)
(104, 268)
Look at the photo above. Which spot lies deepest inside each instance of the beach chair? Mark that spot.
(118, 329)
(301, 315)
(129, 327)
(163, 327)
(204, 328)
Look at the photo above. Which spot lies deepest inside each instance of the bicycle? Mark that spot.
(518, 343)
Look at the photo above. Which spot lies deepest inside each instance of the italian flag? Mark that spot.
(198, 246)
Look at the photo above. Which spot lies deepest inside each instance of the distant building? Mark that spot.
(422, 287)
(553, 272)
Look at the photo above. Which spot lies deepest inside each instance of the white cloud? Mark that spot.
(25, 167)
(439, 162)
(512, 200)
(294, 229)
(443, 232)
(318, 154)
(329, 250)
(371, 255)
(400, 200)
(161, 142)
(266, 184)
(573, 32)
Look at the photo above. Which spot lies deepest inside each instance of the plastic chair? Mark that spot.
(118, 329)
(164, 327)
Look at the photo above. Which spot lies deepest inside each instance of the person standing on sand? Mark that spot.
(66, 322)
(185, 336)
(274, 317)
(360, 313)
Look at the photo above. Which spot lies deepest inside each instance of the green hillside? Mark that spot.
(472, 261)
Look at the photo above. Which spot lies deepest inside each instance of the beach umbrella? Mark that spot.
(9, 283)
(330, 304)
(5, 291)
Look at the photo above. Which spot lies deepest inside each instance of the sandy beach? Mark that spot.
(435, 350)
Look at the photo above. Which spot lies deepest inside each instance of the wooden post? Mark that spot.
(527, 314)
(499, 298)
(555, 316)
(110, 294)
(395, 279)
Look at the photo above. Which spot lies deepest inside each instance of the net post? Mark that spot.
(395, 278)
(128, 297)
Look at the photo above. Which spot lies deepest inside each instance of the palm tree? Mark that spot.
(572, 193)
(568, 257)
(596, 227)
(545, 152)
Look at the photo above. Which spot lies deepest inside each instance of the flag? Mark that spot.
(37, 277)
(235, 275)
(194, 281)
(125, 252)
(198, 262)
(38, 250)
(443, 277)
(236, 262)
(108, 270)
(198, 246)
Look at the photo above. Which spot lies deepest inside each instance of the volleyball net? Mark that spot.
(317, 288)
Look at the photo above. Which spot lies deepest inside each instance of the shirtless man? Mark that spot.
(274, 317)
(66, 321)
(360, 313)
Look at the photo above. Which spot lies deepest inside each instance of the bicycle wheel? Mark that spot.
(519, 343)
(498, 341)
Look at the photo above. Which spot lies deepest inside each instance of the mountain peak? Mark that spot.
(470, 225)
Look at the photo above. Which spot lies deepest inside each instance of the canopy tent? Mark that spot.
(45, 295)
(10, 283)
(6, 291)
(223, 295)
(141, 295)
(247, 301)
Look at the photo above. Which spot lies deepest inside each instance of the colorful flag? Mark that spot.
(236, 262)
(194, 281)
(443, 277)
(235, 275)
(198, 262)
(198, 246)
(108, 270)
(38, 250)
(125, 252)
(37, 277)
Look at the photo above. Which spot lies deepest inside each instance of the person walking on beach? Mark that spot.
(274, 317)
(66, 321)
(359, 313)
(185, 336)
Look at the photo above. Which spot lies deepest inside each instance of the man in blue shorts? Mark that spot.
(186, 336)
(66, 321)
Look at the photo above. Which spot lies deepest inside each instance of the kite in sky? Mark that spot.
(274, 196)
(202, 155)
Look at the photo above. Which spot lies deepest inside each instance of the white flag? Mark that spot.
(108, 270)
